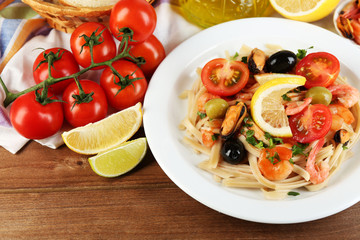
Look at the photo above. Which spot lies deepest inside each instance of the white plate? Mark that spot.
(163, 111)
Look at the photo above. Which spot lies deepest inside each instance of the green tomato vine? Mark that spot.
(50, 58)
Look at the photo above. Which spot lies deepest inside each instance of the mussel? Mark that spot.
(256, 60)
(342, 136)
(233, 118)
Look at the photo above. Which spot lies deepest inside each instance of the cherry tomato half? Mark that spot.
(152, 51)
(224, 77)
(319, 69)
(131, 93)
(64, 66)
(102, 52)
(81, 114)
(138, 15)
(33, 120)
(313, 123)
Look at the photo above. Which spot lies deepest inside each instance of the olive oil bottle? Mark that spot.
(207, 13)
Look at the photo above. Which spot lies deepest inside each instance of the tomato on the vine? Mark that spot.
(152, 51)
(319, 68)
(32, 119)
(103, 50)
(313, 123)
(80, 114)
(138, 15)
(125, 92)
(224, 77)
(64, 64)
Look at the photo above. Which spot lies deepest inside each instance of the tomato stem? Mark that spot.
(51, 57)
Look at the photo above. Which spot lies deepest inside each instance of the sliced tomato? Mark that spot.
(313, 123)
(319, 69)
(224, 77)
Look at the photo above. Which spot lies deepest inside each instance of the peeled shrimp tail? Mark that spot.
(346, 94)
(318, 174)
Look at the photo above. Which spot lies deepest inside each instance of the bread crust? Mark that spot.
(88, 3)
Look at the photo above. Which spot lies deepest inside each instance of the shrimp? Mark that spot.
(210, 131)
(296, 107)
(340, 115)
(204, 98)
(274, 163)
(318, 174)
(348, 21)
(345, 94)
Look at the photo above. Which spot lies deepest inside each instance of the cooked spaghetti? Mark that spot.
(326, 153)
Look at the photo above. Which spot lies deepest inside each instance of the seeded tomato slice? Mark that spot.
(224, 77)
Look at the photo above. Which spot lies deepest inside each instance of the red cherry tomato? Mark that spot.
(138, 15)
(152, 51)
(131, 93)
(103, 51)
(319, 69)
(224, 77)
(83, 113)
(313, 123)
(65, 65)
(33, 120)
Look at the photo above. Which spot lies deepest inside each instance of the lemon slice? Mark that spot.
(266, 108)
(306, 11)
(106, 133)
(119, 160)
(265, 77)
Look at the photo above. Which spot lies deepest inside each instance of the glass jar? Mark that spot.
(207, 13)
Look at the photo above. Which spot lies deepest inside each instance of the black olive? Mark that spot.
(281, 62)
(233, 151)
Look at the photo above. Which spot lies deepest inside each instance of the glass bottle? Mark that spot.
(210, 12)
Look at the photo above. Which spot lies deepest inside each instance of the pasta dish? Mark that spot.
(272, 119)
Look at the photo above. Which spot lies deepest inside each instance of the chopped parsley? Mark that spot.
(285, 97)
(273, 141)
(273, 159)
(291, 193)
(250, 138)
(235, 56)
(302, 52)
(299, 148)
(201, 115)
(215, 136)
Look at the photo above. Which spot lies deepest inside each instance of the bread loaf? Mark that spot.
(88, 3)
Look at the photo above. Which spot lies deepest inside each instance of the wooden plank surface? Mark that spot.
(53, 194)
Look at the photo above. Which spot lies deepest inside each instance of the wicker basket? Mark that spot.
(67, 18)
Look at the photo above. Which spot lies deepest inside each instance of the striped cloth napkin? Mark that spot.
(22, 30)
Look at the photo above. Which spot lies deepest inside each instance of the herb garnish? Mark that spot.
(273, 158)
(273, 141)
(291, 193)
(299, 148)
(302, 52)
(286, 97)
(201, 115)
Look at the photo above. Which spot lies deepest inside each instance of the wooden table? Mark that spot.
(54, 194)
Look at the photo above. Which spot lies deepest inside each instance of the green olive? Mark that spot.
(319, 95)
(216, 108)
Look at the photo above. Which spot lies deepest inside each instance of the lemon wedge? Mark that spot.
(119, 160)
(306, 11)
(106, 133)
(265, 77)
(266, 105)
